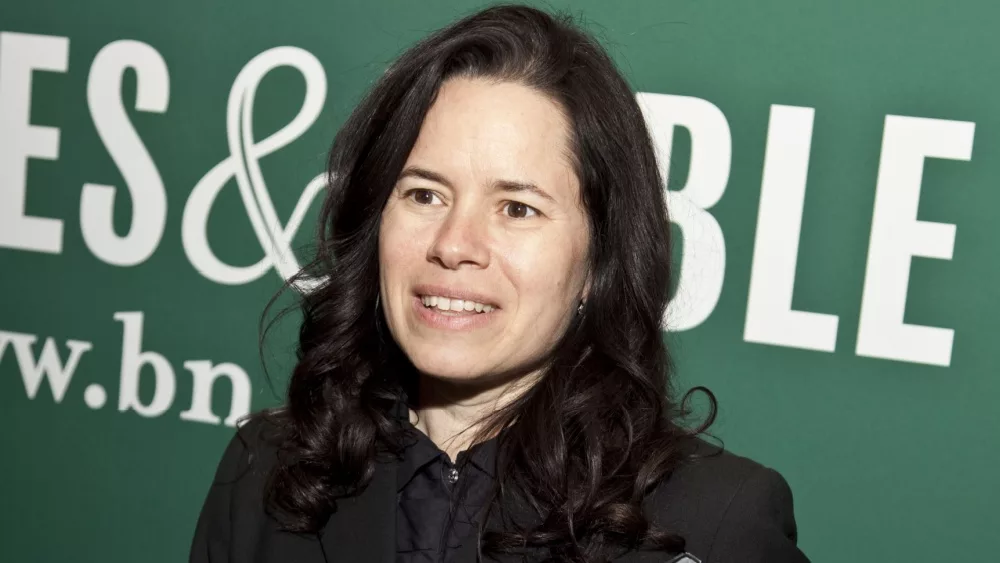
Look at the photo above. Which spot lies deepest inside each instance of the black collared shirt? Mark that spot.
(439, 503)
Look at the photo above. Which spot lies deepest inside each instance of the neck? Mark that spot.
(451, 414)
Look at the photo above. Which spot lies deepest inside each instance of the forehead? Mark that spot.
(479, 130)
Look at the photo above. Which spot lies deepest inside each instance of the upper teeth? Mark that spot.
(446, 304)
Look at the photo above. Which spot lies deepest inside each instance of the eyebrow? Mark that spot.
(512, 186)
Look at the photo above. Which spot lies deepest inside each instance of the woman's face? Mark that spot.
(483, 242)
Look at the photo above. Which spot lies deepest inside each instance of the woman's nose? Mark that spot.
(461, 240)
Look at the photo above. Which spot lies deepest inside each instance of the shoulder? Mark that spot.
(248, 459)
(728, 507)
(234, 505)
(254, 446)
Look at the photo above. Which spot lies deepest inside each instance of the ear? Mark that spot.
(585, 294)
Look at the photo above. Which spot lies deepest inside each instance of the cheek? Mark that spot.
(547, 272)
(397, 248)
(403, 247)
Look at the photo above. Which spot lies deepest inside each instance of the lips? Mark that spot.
(448, 294)
(456, 305)
(452, 321)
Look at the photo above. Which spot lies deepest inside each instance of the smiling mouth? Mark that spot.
(455, 307)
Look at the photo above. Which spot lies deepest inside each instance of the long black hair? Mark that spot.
(601, 428)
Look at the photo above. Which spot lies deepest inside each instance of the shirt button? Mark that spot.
(452, 476)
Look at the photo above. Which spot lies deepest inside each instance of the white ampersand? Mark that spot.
(243, 164)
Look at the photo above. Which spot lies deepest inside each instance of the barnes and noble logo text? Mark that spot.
(896, 234)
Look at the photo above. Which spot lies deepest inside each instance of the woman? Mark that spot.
(481, 373)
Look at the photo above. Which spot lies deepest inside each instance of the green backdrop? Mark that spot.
(829, 142)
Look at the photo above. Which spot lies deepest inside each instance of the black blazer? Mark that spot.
(729, 509)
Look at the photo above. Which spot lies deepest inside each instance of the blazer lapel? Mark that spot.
(364, 527)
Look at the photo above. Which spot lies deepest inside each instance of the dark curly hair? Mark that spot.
(600, 429)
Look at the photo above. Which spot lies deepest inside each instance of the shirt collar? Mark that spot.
(419, 450)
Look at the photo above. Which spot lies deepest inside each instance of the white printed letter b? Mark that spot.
(133, 359)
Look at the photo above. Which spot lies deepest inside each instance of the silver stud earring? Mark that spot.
(579, 308)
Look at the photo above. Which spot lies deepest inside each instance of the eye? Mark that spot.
(421, 196)
(518, 210)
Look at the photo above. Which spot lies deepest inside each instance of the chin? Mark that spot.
(439, 366)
